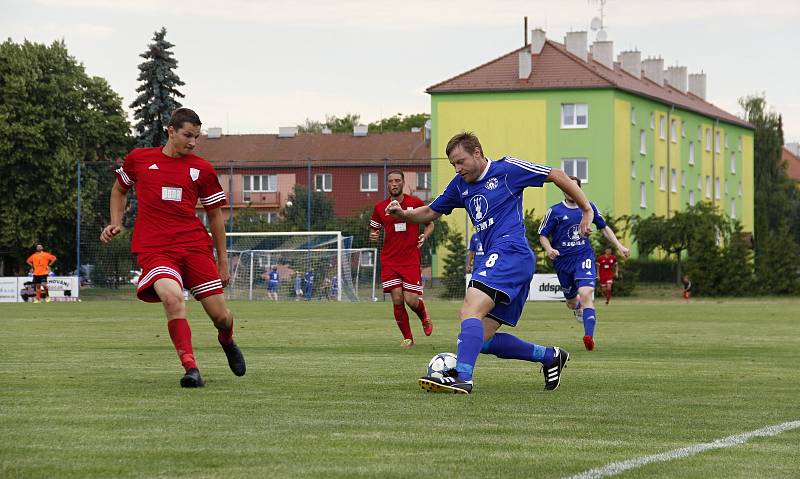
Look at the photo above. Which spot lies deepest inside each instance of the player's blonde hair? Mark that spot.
(466, 140)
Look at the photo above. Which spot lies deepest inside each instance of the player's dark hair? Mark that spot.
(575, 179)
(466, 140)
(395, 172)
(183, 115)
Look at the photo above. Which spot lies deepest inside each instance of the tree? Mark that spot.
(52, 115)
(157, 93)
(455, 267)
(250, 220)
(295, 216)
(332, 123)
(399, 122)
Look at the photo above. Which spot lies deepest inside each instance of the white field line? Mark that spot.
(619, 467)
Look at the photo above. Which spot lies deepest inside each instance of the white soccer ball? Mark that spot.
(441, 365)
(289, 203)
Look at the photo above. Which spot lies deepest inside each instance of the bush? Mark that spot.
(455, 267)
(652, 270)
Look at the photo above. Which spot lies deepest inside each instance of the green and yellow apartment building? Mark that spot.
(641, 137)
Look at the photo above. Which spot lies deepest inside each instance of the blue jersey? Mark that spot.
(561, 224)
(475, 245)
(273, 277)
(494, 200)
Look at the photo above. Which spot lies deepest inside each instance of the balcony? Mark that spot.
(262, 198)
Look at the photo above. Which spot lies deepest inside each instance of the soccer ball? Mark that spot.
(441, 365)
(289, 204)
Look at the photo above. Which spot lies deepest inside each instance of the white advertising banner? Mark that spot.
(20, 289)
(544, 287)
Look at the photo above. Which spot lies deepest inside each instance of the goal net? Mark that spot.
(316, 265)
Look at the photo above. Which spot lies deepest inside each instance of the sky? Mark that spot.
(252, 66)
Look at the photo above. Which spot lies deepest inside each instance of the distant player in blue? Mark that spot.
(308, 285)
(474, 251)
(491, 192)
(573, 257)
(273, 279)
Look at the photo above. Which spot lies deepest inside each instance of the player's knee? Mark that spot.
(173, 302)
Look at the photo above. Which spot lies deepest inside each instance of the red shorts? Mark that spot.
(194, 269)
(406, 277)
(606, 279)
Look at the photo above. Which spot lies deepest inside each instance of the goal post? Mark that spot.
(315, 265)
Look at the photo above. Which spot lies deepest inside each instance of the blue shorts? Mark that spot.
(508, 268)
(575, 271)
(272, 286)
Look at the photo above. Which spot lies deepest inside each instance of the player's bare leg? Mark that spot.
(171, 295)
(589, 318)
(574, 305)
(222, 317)
(415, 302)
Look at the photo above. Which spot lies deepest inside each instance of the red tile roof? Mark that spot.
(339, 148)
(556, 68)
(792, 164)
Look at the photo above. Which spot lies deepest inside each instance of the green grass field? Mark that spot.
(91, 390)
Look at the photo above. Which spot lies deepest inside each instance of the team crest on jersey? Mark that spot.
(194, 173)
(574, 235)
(491, 183)
(479, 207)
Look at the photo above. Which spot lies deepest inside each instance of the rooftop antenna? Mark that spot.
(597, 24)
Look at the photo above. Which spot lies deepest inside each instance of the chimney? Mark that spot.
(653, 69)
(676, 78)
(576, 44)
(537, 41)
(360, 130)
(697, 84)
(631, 62)
(427, 132)
(603, 53)
(214, 132)
(525, 64)
(287, 132)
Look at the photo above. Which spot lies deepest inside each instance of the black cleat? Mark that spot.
(447, 384)
(235, 359)
(192, 379)
(552, 370)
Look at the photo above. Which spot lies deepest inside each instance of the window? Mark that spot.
(642, 142)
(726, 141)
(576, 167)
(662, 127)
(725, 186)
(633, 169)
(574, 115)
(691, 197)
(369, 182)
(424, 180)
(271, 216)
(652, 120)
(683, 129)
(716, 188)
(662, 179)
(633, 115)
(367, 258)
(733, 163)
(260, 183)
(708, 186)
(740, 190)
(733, 209)
(323, 182)
(699, 183)
(699, 133)
(716, 142)
(673, 131)
(708, 139)
(683, 179)
(652, 173)
(673, 180)
(642, 195)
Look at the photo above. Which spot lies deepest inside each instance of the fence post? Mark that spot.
(308, 197)
(230, 205)
(78, 228)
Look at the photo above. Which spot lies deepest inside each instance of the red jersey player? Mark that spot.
(400, 257)
(170, 242)
(608, 269)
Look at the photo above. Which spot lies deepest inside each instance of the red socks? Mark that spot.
(225, 336)
(181, 336)
(421, 312)
(401, 317)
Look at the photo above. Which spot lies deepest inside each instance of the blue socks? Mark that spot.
(508, 346)
(589, 321)
(470, 342)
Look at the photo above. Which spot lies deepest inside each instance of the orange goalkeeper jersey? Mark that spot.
(41, 262)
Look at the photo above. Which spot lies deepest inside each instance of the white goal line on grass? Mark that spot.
(615, 468)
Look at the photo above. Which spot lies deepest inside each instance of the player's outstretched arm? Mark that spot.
(609, 234)
(217, 226)
(119, 198)
(548, 248)
(422, 214)
(565, 183)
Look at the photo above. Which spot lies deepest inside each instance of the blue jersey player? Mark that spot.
(573, 257)
(273, 279)
(491, 192)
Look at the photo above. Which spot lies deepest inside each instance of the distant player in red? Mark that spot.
(170, 242)
(687, 287)
(608, 269)
(400, 257)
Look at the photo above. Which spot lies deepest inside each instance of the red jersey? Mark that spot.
(400, 237)
(167, 191)
(605, 266)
